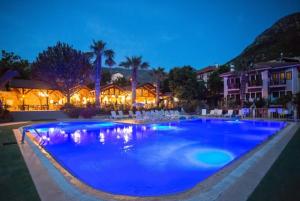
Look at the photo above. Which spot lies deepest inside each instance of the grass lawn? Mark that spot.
(15, 181)
(282, 182)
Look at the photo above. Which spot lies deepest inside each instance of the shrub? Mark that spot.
(71, 110)
(88, 112)
(5, 115)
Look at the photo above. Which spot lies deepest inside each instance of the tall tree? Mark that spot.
(101, 52)
(63, 67)
(183, 83)
(215, 83)
(13, 62)
(134, 63)
(158, 75)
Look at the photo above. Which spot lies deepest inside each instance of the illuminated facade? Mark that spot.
(36, 95)
(33, 95)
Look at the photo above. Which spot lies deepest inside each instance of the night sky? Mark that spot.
(166, 33)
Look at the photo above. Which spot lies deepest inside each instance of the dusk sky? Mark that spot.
(166, 33)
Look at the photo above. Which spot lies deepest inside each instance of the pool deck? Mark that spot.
(234, 182)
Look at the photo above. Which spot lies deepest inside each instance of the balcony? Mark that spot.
(254, 83)
(234, 85)
(277, 82)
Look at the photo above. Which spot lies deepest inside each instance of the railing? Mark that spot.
(268, 113)
(253, 83)
(277, 82)
(234, 85)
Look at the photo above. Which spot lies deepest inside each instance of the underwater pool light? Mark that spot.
(210, 157)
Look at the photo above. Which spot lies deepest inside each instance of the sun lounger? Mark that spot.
(131, 115)
(229, 113)
(219, 113)
(121, 114)
(114, 115)
(212, 113)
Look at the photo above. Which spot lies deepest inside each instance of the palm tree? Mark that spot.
(158, 74)
(99, 50)
(134, 63)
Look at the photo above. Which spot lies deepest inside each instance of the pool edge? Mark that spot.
(207, 187)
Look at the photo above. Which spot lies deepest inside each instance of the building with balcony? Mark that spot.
(267, 80)
(203, 74)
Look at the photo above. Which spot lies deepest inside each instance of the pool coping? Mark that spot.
(216, 187)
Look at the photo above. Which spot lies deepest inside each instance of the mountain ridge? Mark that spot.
(281, 39)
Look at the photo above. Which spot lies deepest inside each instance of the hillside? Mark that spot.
(282, 37)
(143, 75)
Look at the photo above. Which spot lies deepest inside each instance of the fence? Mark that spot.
(269, 113)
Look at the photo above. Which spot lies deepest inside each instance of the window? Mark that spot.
(289, 75)
(274, 76)
(282, 76)
(289, 94)
(258, 94)
(252, 95)
(282, 93)
(247, 96)
(275, 94)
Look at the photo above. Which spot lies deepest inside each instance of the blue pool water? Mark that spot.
(150, 159)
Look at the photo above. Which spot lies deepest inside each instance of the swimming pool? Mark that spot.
(150, 159)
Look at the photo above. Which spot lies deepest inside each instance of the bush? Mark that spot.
(88, 112)
(260, 103)
(5, 115)
(71, 110)
(190, 106)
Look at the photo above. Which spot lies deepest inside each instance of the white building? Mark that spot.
(116, 76)
(203, 74)
(268, 80)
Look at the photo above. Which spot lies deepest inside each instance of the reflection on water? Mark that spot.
(150, 159)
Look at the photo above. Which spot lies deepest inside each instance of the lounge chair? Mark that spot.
(121, 114)
(244, 112)
(131, 115)
(219, 113)
(212, 113)
(271, 112)
(114, 115)
(138, 115)
(229, 113)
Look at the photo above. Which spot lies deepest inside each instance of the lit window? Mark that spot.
(289, 75)
(258, 95)
(282, 76)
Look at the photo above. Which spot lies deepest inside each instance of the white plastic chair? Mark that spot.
(203, 112)
(114, 115)
(121, 114)
(229, 113)
(138, 115)
(131, 114)
(219, 113)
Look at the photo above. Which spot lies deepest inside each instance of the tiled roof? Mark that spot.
(206, 69)
(269, 65)
(275, 64)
